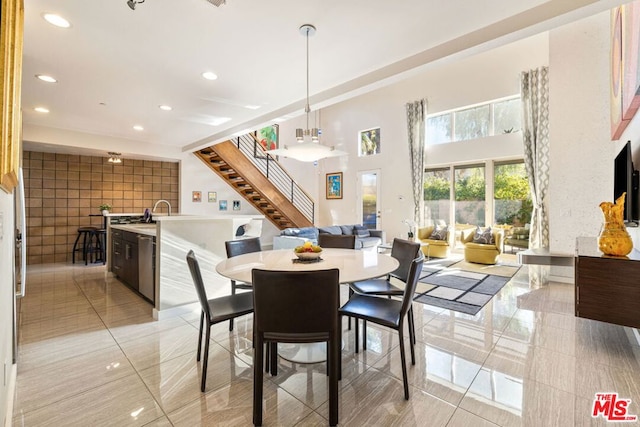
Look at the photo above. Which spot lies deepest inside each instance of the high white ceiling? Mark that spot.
(115, 66)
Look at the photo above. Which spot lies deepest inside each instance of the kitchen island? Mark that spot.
(173, 292)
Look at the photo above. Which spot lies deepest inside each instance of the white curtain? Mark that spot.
(535, 136)
(416, 114)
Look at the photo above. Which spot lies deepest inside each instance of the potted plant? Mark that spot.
(105, 208)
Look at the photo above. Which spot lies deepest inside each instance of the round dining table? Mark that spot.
(353, 266)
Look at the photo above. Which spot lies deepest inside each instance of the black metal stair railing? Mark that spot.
(272, 170)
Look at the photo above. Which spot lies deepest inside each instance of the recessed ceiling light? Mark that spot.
(56, 20)
(209, 75)
(138, 128)
(46, 78)
(252, 107)
(41, 110)
(165, 107)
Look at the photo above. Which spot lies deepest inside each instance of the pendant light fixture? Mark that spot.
(114, 157)
(308, 148)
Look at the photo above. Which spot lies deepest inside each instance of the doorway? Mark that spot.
(369, 208)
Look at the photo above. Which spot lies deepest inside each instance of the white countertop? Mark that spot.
(146, 229)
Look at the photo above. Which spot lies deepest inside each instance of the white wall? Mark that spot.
(582, 153)
(6, 299)
(476, 79)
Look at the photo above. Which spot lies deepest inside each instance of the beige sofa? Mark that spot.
(479, 252)
(436, 248)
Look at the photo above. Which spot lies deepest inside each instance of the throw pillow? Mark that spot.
(484, 236)
(361, 231)
(439, 233)
(347, 229)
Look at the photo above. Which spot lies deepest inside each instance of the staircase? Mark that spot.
(260, 180)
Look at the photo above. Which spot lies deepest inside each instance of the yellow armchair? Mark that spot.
(479, 252)
(436, 248)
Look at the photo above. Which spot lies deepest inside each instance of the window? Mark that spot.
(470, 195)
(478, 121)
(512, 199)
(437, 196)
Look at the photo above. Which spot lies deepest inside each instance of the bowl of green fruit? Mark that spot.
(308, 251)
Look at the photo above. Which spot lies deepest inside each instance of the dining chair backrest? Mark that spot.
(242, 246)
(412, 282)
(194, 267)
(296, 305)
(339, 241)
(405, 251)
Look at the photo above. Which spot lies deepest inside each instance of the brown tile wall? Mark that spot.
(61, 190)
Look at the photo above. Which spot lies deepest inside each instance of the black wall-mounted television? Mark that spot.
(625, 179)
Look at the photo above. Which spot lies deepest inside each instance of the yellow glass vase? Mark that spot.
(614, 240)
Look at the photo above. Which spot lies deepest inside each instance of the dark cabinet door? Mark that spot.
(117, 254)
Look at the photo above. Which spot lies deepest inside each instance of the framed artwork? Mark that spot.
(10, 101)
(213, 197)
(625, 66)
(369, 142)
(236, 205)
(222, 205)
(267, 138)
(196, 196)
(334, 185)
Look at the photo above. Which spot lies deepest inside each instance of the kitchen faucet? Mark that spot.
(162, 200)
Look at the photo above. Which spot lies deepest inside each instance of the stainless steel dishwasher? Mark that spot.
(146, 266)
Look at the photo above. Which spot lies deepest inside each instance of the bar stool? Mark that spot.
(87, 234)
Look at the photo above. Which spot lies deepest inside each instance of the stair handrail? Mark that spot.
(269, 167)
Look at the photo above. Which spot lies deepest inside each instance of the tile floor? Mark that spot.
(91, 355)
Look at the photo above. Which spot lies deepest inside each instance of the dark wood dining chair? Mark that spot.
(405, 251)
(215, 310)
(339, 241)
(390, 313)
(296, 307)
(239, 247)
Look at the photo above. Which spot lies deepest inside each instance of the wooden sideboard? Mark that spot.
(607, 288)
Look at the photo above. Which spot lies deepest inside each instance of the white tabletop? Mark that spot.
(354, 265)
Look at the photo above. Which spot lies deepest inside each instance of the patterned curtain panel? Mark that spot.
(535, 136)
(416, 113)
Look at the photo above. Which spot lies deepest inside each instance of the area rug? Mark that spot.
(461, 286)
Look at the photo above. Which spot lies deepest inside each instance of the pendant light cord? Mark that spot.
(307, 108)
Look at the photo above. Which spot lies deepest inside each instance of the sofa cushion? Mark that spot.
(439, 233)
(332, 229)
(484, 237)
(367, 242)
(347, 229)
(306, 232)
(361, 231)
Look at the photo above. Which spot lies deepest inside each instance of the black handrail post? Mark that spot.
(268, 156)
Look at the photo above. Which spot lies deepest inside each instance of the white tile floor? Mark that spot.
(91, 355)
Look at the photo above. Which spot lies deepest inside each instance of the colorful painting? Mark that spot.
(625, 66)
(369, 142)
(334, 185)
(222, 205)
(267, 138)
(196, 196)
(236, 205)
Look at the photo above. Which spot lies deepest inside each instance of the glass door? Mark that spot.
(369, 198)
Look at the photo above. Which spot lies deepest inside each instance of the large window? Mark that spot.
(512, 199)
(437, 196)
(469, 187)
(491, 118)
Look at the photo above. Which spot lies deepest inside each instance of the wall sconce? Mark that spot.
(114, 157)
